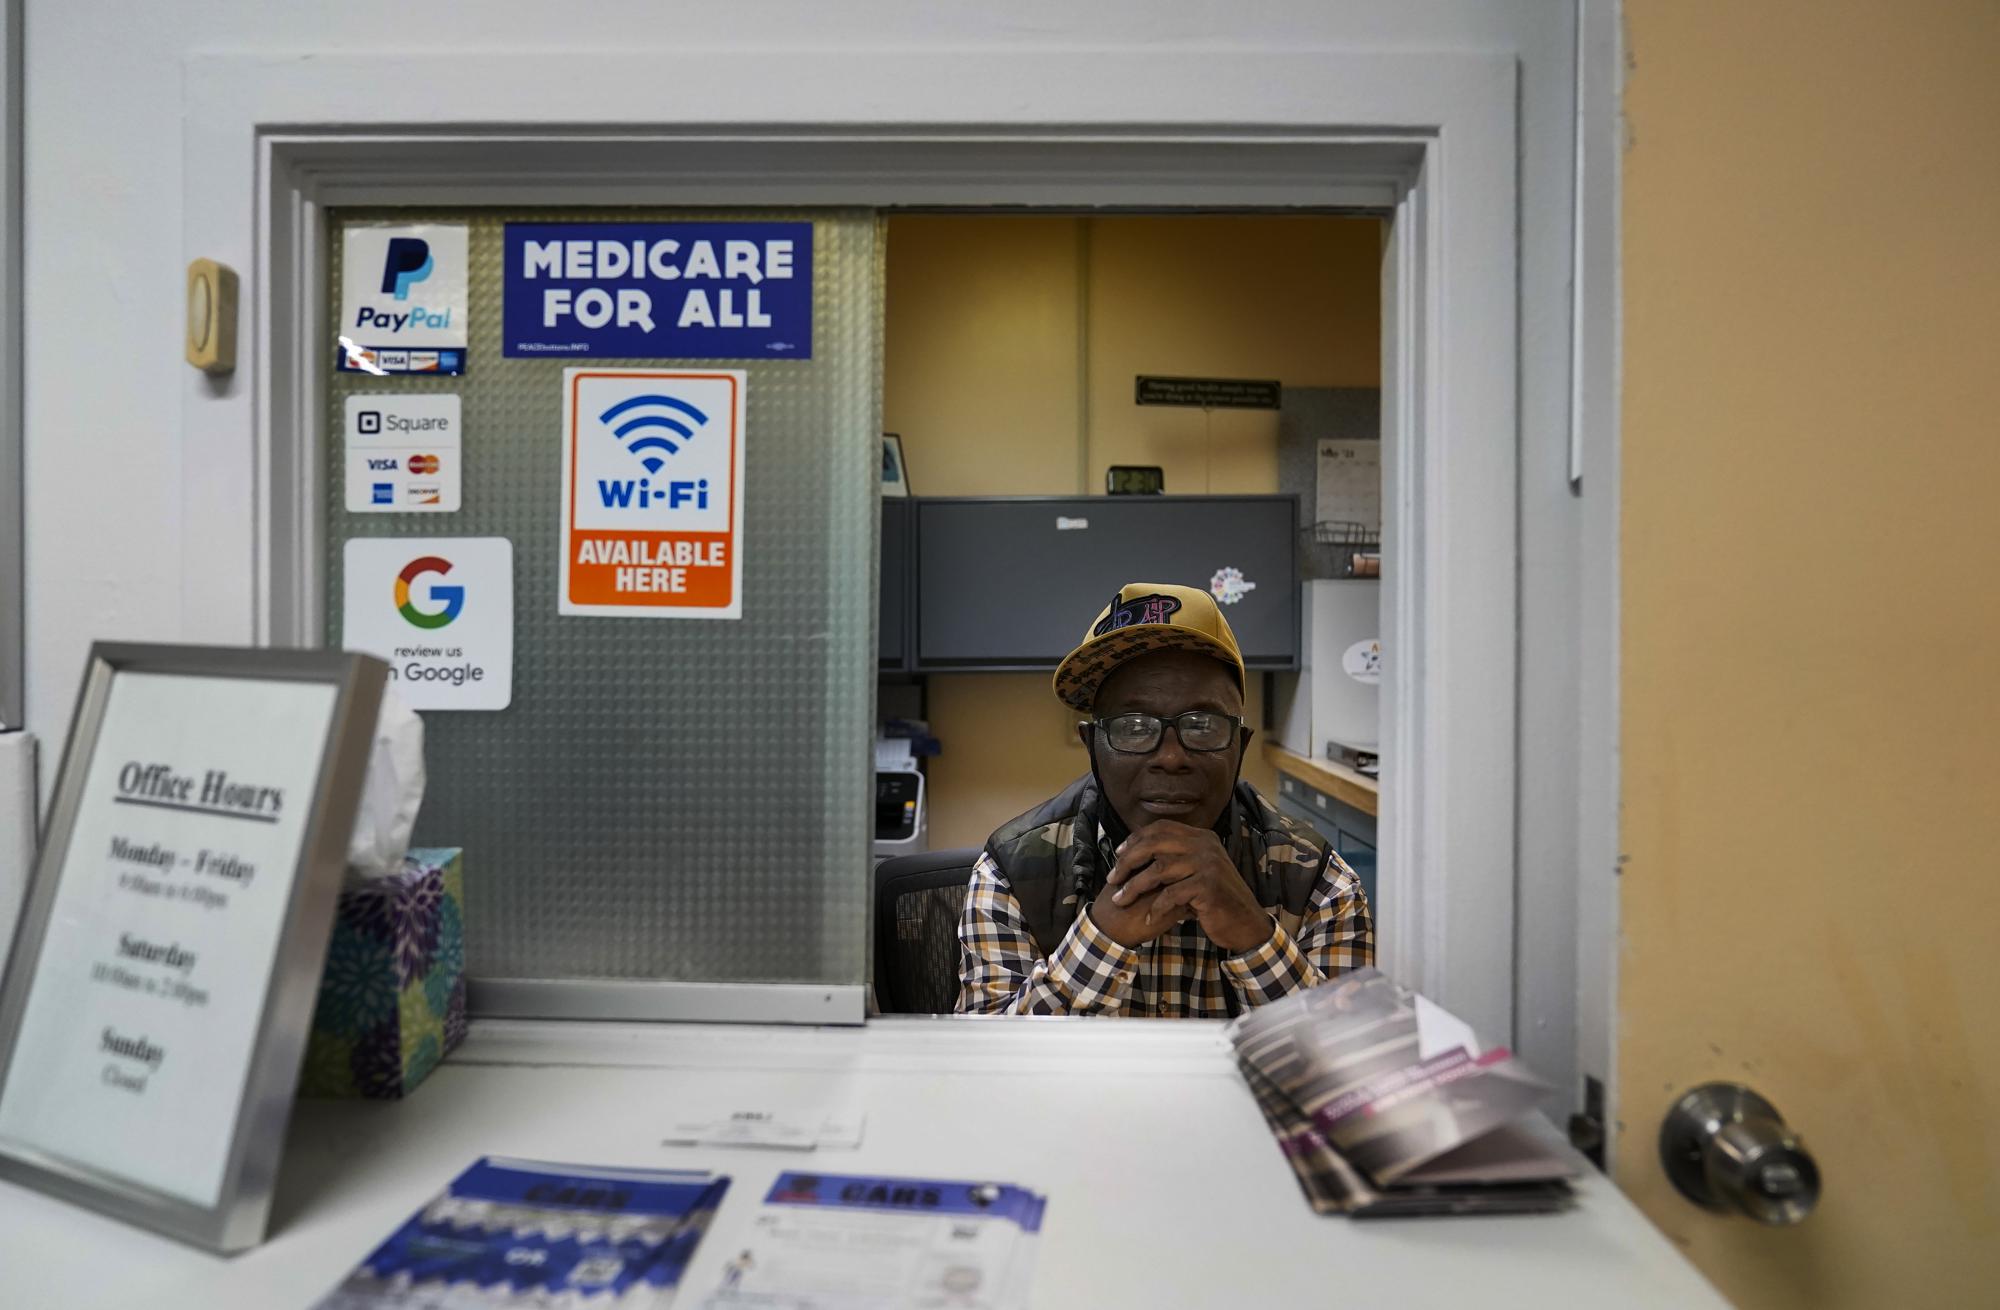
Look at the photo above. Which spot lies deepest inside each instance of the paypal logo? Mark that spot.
(407, 263)
(416, 316)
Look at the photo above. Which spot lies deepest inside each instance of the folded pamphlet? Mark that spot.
(528, 1235)
(1385, 1104)
(852, 1242)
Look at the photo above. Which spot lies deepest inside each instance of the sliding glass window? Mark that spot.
(661, 802)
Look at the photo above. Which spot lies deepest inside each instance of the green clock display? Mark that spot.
(1134, 480)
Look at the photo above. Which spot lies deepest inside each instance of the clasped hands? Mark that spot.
(1167, 872)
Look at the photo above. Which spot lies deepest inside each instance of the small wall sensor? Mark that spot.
(211, 317)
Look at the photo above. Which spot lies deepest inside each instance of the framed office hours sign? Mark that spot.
(157, 1001)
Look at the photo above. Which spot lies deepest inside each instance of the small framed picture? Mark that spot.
(895, 473)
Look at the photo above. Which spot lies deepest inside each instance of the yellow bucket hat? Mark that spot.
(1144, 617)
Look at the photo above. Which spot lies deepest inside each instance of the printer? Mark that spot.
(901, 826)
(899, 814)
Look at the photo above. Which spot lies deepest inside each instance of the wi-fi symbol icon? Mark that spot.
(647, 432)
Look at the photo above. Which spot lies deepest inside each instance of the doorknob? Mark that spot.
(1728, 1149)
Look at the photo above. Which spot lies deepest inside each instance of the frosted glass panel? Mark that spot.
(665, 799)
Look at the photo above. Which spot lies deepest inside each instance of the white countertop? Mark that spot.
(1165, 1188)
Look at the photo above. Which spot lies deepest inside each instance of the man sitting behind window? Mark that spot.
(1159, 884)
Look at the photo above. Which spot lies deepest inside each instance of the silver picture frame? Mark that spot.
(895, 469)
(238, 1219)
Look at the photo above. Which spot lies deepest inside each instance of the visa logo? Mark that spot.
(381, 466)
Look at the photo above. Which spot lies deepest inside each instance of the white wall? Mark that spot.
(105, 264)
(105, 256)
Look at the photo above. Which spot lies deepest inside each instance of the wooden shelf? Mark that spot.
(1336, 780)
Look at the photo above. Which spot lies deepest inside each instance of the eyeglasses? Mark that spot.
(1198, 730)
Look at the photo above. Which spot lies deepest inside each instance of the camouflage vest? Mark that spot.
(1051, 858)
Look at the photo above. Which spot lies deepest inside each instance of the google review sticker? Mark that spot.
(440, 610)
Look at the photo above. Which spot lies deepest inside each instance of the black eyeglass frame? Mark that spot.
(1160, 723)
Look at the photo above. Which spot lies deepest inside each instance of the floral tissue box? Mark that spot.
(392, 999)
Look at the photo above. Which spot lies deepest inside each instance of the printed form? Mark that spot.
(845, 1242)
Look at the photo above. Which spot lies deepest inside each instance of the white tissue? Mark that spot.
(391, 794)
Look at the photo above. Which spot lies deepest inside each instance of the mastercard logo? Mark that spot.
(423, 464)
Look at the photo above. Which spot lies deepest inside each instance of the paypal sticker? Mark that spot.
(402, 304)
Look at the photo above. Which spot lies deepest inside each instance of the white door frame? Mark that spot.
(1428, 136)
(13, 528)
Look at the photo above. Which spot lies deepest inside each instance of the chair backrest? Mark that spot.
(918, 899)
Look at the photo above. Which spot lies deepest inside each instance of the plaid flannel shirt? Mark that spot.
(1180, 974)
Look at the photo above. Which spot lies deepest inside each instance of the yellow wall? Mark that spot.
(1012, 341)
(1811, 642)
(980, 354)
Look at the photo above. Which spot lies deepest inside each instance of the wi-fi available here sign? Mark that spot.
(652, 494)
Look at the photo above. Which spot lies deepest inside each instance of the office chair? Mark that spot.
(918, 899)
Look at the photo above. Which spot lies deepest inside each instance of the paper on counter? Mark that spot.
(785, 1127)
(895, 755)
(1439, 1030)
(849, 1242)
(1365, 1083)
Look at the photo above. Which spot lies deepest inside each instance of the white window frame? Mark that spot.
(13, 529)
(1596, 347)
(1428, 137)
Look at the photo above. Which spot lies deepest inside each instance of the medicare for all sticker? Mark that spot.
(652, 495)
(404, 454)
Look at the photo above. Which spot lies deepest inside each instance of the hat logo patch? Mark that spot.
(1140, 609)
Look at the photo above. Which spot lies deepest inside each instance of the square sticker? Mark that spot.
(405, 454)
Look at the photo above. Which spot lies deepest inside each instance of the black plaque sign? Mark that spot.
(1209, 393)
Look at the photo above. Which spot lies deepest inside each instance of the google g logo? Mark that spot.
(452, 598)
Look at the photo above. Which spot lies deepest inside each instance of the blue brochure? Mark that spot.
(523, 1233)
